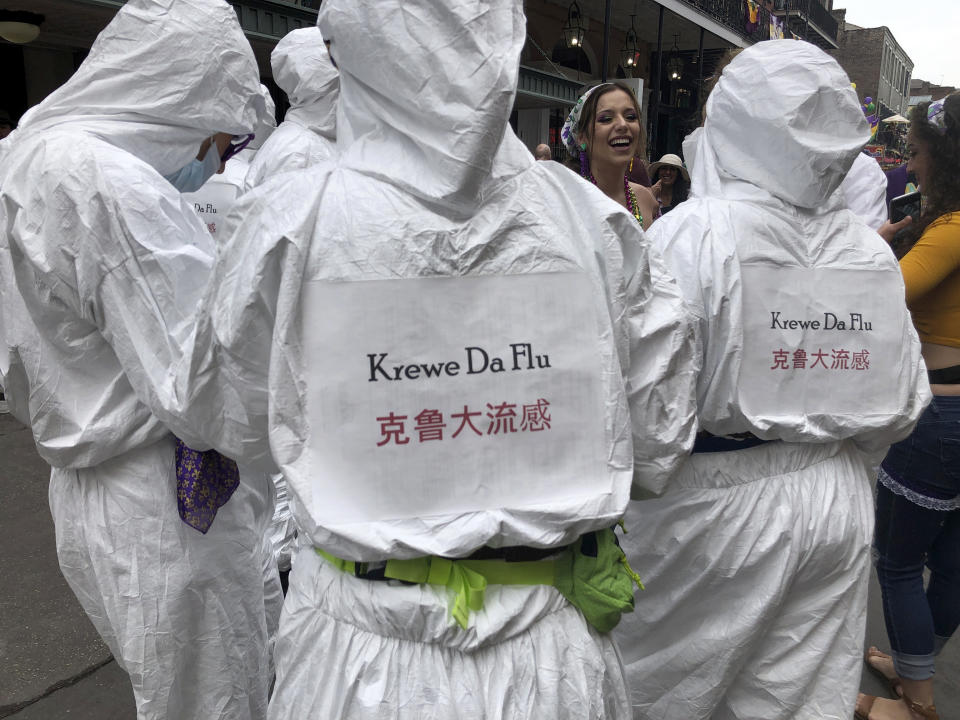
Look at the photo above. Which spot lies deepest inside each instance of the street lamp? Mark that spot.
(675, 63)
(573, 30)
(630, 55)
(19, 26)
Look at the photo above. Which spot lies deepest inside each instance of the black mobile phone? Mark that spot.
(904, 205)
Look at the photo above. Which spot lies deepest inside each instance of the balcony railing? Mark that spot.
(735, 15)
(813, 11)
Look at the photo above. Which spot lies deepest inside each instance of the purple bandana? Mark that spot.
(205, 481)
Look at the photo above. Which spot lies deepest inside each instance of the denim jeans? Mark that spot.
(919, 480)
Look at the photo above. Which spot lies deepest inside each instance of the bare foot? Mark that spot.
(882, 664)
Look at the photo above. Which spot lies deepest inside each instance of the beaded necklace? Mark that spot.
(632, 205)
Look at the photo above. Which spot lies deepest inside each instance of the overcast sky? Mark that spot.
(928, 30)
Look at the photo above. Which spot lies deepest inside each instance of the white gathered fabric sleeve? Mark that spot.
(864, 191)
(246, 364)
(142, 268)
(662, 371)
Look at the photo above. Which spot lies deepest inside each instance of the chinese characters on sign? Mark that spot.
(832, 359)
(498, 419)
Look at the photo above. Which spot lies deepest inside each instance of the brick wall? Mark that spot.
(876, 63)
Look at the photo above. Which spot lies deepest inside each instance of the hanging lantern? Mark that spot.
(573, 30)
(675, 63)
(19, 26)
(630, 54)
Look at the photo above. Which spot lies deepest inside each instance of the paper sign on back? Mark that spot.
(430, 396)
(823, 341)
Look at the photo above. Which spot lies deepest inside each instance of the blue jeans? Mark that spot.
(916, 527)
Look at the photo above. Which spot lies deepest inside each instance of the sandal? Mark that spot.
(929, 712)
(865, 713)
(892, 681)
(865, 705)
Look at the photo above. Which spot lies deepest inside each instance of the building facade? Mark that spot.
(665, 49)
(69, 27)
(926, 91)
(878, 65)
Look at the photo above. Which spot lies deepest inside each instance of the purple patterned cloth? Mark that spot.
(205, 481)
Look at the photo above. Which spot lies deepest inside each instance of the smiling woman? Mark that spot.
(604, 133)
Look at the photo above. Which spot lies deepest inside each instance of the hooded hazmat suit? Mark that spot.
(99, 257)
(756, 560)
(307, 135)
(460, 347)
(864, 190)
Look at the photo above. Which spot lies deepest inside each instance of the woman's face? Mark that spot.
(616, 130)
(918, 159)
(668, 175)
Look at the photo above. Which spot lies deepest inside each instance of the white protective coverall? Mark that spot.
(756, 560)
(101, 268)
(307, 136)
(308, 133)
(435, 208)
(864, 191)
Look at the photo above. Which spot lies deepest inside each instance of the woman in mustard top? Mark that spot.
(918, 489)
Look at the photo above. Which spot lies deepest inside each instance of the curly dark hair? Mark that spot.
(943, 195)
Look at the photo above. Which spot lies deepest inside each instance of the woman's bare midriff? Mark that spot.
(937, 357)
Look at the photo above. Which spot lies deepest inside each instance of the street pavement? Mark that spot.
(54, 665)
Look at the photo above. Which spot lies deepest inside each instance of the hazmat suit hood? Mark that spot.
(302, 69)
(461, 59)
(788, 100)
(158, 94)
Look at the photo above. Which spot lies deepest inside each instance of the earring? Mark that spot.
(584, 164)
(583, 146)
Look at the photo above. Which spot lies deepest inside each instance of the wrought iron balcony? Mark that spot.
(735, 15)
(812, 12)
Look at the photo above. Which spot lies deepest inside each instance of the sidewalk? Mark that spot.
(54, 663)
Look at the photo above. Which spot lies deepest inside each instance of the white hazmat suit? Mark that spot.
(101, 262)
(308, 133)
(864, 191)
(756, 560)
(399, 283)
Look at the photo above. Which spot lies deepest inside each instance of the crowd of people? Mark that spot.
(531, 441)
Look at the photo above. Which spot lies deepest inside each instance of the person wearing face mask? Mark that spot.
(457, 559)
(218, 194)
(756, 556)
(204, 166)
(102, 265)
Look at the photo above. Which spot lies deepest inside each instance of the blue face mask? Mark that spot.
(194, 174)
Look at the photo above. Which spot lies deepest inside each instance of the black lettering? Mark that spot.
(432, 370)
(375, 367)
(519, 350)
(496, 365)
(775, 321)
(412, 372)
(486, 360)
(452, 368)
(829, 321)
(543, 361)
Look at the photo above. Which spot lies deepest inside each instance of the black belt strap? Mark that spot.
(945, 376)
